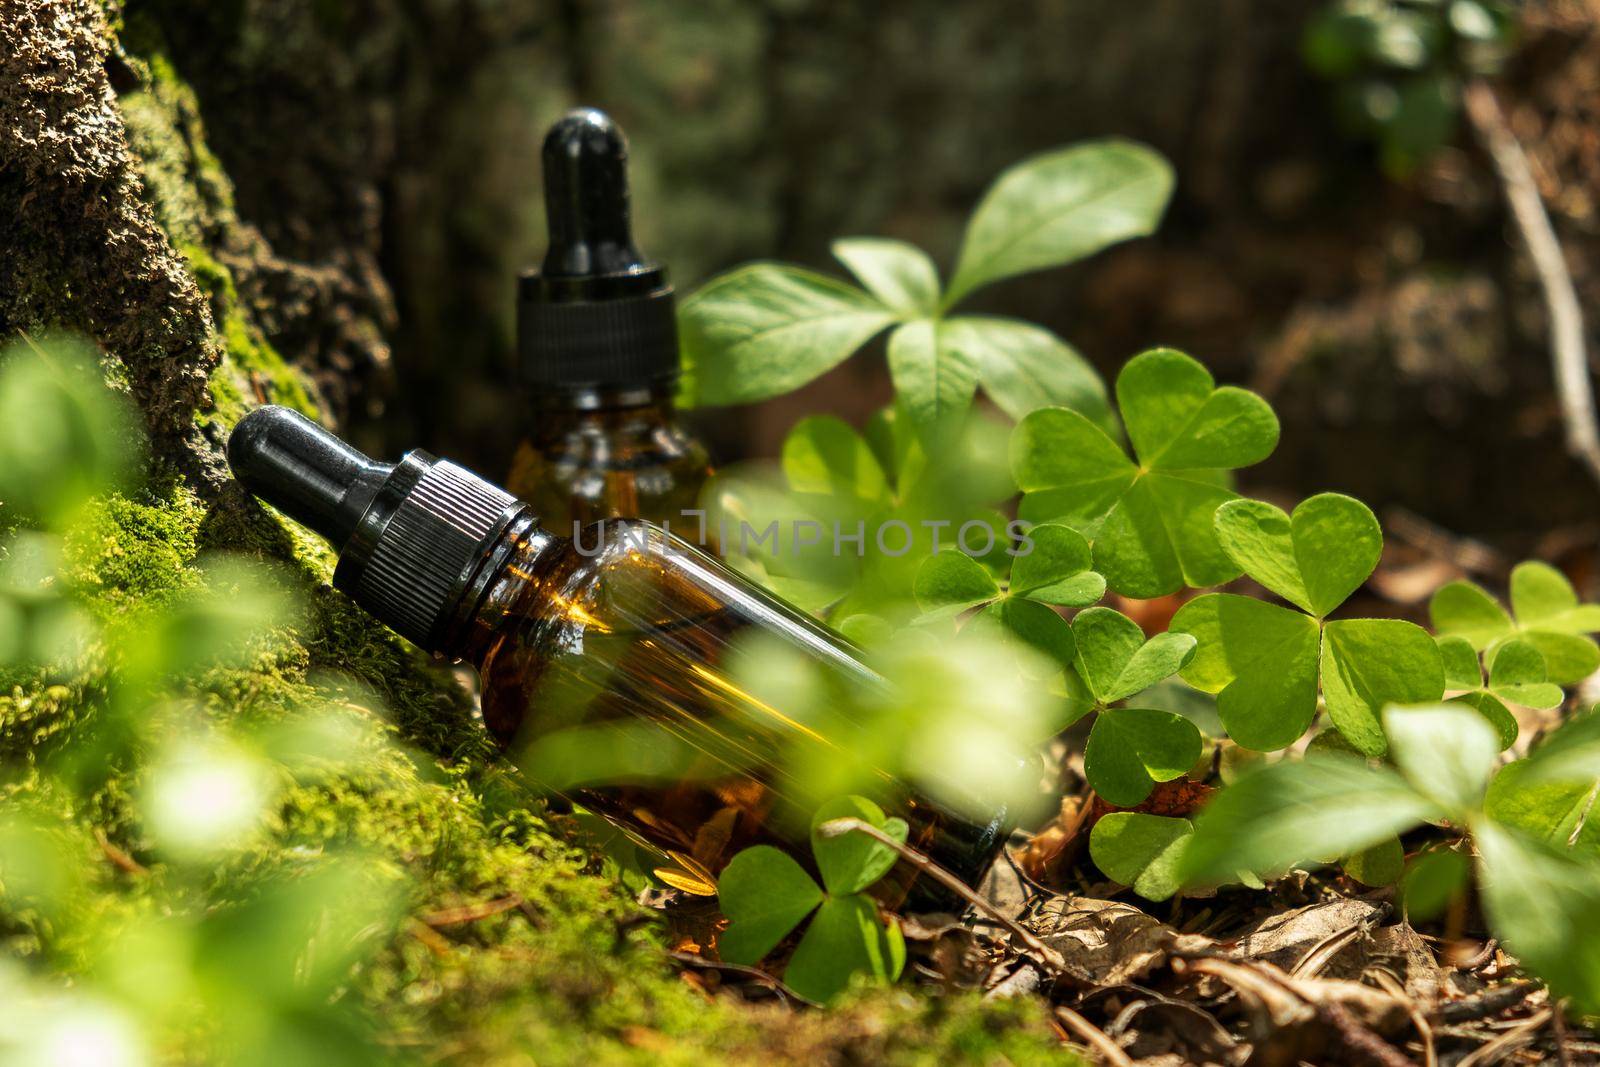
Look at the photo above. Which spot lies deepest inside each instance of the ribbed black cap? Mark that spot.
(597, 313)
(411, 535)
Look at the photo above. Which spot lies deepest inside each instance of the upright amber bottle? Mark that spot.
(606, 660)
(598, 351)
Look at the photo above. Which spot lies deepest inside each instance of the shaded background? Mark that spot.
(387, 151)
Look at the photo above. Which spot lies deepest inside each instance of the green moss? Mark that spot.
(132, 553)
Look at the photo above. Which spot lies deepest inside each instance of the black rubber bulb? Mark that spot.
(586, 199)
(304, 471)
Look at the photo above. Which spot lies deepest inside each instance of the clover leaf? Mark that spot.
(1150, 518)
(1131, 749)
(1516, 676)
(1547, 616)
(766, 894)
(1053, 571)
(1144, 852)
(1265, 662)
(768, 328)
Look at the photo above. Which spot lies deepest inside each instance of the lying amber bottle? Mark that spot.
(597, 349)
(606, 660)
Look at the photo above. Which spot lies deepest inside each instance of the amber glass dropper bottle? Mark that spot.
(605, 660)
(598, 351)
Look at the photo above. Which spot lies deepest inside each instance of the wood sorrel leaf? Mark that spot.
(1116, 661)
(1431, 881)
(1369, 663)
(1461, 667)
(824, 455)
(1517, 675)
(763, 330)
(1446, 751)
(851, 862)
(1151, 522)
(1494, 712)
(1261, 661)
(1314, 559)
(1548, 616)
(1295, 812)
(1543, 599)
(1059, 207)
(1380, 865)
(950, 582)
(899, 274)
(1024, 367)
(1056, 571)
(1543, 904)
(1142, 851)
(845, 939)
(934, 381)
(1571, 754)
(1037, 626)
(1131, 749)
(765, 894)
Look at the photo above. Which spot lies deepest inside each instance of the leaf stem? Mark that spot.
(1049, 956)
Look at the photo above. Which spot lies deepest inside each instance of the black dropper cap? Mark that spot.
(597, 313)
(412, 535)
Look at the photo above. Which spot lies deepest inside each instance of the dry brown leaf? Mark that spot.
(1107, 943)
(1285, 939)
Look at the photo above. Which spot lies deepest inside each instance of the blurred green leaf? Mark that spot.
(1543, 903)
(1380, 865)
(1432, 880)
(1296, 812)
(1446, 751)
(64, 436)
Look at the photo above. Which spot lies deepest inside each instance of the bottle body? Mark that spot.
(603, 454)
(615, 669)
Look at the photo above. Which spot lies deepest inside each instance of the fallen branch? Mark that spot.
(1049, 956)
(1550, 264)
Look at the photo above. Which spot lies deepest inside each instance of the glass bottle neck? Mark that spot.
(523, 554)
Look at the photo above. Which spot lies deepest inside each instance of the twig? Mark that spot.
(471, 913)
(1480, 957)
(1490, 1002)
(117, 856)
(1318, 956)
(1359, 1039)
(1096, 1038)
(838, 827)
(1430, 1057)
(1558, 1030)
(1493, 1051)
(1555, 280)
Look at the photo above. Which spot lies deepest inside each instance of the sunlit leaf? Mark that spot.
(1142, 851)
(1131, 749)
(765, 894)
(853, 861)
(899, 274)
(1059, 207)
